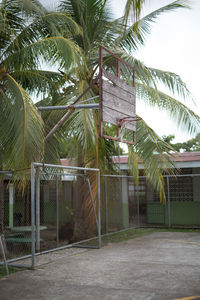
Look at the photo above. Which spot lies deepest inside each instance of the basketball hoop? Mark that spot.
(121, 124)
(117, 98)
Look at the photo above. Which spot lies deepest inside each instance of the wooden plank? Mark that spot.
(117, 104)
(119, 82)
(110, 116)
(117, 91)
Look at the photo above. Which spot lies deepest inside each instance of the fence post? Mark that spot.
(37, 186)
(3, 254)
(106, 200)
(57, 212)
(33, 213)
(168, 202)
(99, 206)
(138, 204)
(11, 204)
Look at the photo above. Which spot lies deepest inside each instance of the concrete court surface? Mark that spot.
(159, 266)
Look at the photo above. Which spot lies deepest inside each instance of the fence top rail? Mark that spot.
(128, 176)
(117, 176)
(63, 174)
(36, 164)
(6, 172)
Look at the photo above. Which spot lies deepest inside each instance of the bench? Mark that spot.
(13, 235)
(23, 240)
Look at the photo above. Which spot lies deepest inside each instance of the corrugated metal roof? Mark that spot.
(67, 162)
(179, 157)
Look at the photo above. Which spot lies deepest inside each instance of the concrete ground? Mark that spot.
(160, 266)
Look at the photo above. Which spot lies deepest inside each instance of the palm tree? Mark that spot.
(28, 35)
(123, 38)
(99, 27)
(25, 41)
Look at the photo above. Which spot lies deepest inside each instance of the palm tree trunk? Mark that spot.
(79, 226)
(78, 200)
(81, 217)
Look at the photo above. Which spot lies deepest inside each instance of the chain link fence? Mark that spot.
(15, 220)
(60, 208)
(57, 209)
(125, 205)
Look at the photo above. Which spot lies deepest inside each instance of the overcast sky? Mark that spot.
(174, 45)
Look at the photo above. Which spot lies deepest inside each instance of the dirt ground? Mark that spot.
(159, 266)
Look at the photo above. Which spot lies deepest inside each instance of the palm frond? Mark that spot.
(133, 10)
(147, 80)
(172, 82)
(53, 49)
(135, 35)
(10, 24)
(21, 137)
(152, 77)
(95, 21)
(51, 24)
(39, 82)
(133, 164)
(155, 154)
(182, 115)
(27, 8)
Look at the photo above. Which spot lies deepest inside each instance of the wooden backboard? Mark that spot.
(117, 100)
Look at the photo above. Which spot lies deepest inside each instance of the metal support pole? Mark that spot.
(68, 114)
(37, 184)
(118, 68)
(16, 265)
(33, 213)
(138, 204)
(4, 256)
(99, 207)
(76, 106)
(11, 204)
(119, 157)
(168, 201)
(65, 167)
(57, 213)
(106, 200)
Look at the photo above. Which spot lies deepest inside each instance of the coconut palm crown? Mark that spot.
(29, 37)
(123, 37)
(69, 39)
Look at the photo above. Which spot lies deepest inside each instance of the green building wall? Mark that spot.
(181, 213)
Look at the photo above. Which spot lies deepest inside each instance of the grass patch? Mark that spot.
(10, 269)
(178, 230)
(129, 234)
(125, 235)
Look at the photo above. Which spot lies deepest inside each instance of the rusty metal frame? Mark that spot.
(120, 121)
